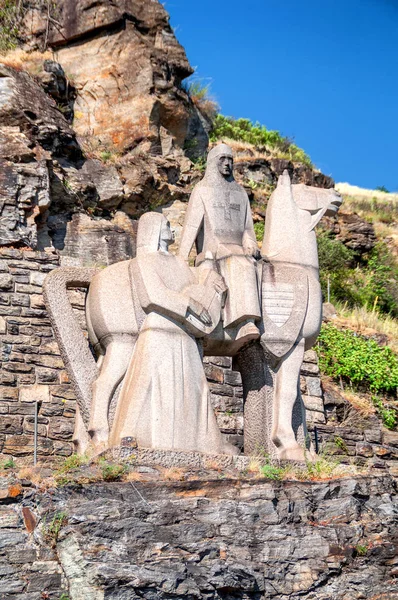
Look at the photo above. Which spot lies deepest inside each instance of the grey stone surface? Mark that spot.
(214, 539)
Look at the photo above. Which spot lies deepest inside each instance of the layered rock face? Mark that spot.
(118, 79)
(127, 67)
(228, 540)
(105, 126)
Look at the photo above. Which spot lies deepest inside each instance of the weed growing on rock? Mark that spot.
(199, 93)
(112, 472)
(52, 529)
(259, 230)
(8, 463)
(270, 471)
(74, 461)
(361, 549)
(340, 443)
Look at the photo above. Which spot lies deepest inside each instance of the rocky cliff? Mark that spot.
(217, 539)
(96, 126)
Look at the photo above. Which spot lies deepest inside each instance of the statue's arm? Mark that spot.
(249, 241)
(192, 224)
(153, 293)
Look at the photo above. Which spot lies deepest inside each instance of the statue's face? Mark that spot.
(166, 236)
(226, 165)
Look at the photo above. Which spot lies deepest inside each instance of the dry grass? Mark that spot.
(357, 192)
(246, 152)
(361, 402)
(173, 474)
(254, 465)
(320, 470)
(95, 149)
(134, 476)
(32, 62)
(368, 322)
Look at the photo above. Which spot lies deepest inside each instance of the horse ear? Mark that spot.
(284, 179)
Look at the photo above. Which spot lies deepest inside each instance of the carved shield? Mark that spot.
(284, 297)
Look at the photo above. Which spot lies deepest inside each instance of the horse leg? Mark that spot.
(286, 389)
(80, 439)
(113, 369)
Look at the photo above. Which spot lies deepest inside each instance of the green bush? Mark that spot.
(381, 287)
(357, 359)
(259, 230)
(244, 130)
(372, 283)
(335, 260)
(10, 13)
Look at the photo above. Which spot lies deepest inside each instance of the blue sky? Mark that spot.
(324, 72)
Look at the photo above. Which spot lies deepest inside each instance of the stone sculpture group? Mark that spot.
(151, 319)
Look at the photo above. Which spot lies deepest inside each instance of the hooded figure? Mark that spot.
(219, 222)
(165, 401)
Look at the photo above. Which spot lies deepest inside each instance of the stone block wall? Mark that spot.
(31, 368)
(227, 397)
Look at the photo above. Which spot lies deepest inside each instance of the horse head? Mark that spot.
(318, 202)
(293, 211)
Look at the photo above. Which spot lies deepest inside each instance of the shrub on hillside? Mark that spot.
(244, 130)
(360, 362)
(10, 14)
(372, 284)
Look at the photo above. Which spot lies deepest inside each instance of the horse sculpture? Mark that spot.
(291, 316)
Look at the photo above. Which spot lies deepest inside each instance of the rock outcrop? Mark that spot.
(127, 67)
(226, 540)
(353, 231)
(104, 126)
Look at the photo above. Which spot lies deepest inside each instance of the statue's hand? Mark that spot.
(199, 311)
(251, 250)
(219, 285)
(205, 317)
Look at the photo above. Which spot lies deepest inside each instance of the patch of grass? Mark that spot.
(379, 207)
(8, 463)
(32, 62)
(259, 230)
(361, 549)
(368, 322)
(322, 468)
(257, 135)
(111, 471)
(371, 281)
(71, 463)
(74, 461)
(358, 360)
(270, 471)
